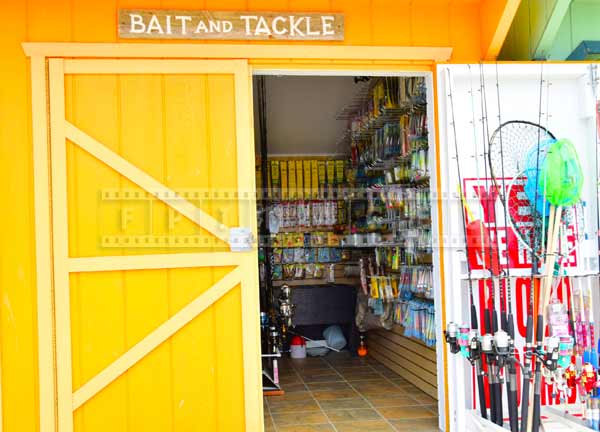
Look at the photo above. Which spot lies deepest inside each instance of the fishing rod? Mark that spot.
(475, 345)
(511, 385)
(526, 404)
(533, 411)
(487, 313)
(494, 258)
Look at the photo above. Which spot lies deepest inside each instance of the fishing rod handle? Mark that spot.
(513, 408)
(511, 326)
(493, 406)
(474, 324)
(525, 404)
(499, 413)
(481, 391)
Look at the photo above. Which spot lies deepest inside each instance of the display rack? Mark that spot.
(388, 202)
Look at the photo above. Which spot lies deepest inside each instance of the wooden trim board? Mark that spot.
(145, 181)
(60, 233)
(412, 359)
(233, 51)
(408, 357)
(404, 373)
(43, 245)
(408, 343)
(425, 374)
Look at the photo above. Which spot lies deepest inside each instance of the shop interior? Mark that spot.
(346, 262)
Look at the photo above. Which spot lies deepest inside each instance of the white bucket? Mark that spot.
(298, 351)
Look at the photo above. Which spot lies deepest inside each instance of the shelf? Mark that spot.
(297, 282)
(306, 229)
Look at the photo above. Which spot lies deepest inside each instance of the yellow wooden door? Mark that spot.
(156, 319)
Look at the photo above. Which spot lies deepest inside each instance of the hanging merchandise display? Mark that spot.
(388, 204)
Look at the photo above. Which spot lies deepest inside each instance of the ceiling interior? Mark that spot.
(301, 114)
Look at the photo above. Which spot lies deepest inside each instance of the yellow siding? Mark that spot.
(374, 22)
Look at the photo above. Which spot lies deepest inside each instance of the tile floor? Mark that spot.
(346, 394)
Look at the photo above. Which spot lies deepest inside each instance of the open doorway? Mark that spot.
(348, 274)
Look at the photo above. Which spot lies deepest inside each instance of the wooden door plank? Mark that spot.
(154, 339)
(150, 262)
(146, 182)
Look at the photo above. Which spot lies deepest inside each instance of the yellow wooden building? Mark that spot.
(95, 337)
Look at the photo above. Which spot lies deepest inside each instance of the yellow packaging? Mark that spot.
(314, 180)
(331, 181)
(307, 183)
(322, 178)
(299, 179)
(283, 167)
(269, 186)
(292, 188)
(339, 170)
(339, 175)
(275, 180)
(333, 239)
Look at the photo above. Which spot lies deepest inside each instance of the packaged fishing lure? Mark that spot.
(297, 240)
(275, 240)
(299, 255)
(277, 272)
(319, 271)
(288, 256)
(288, 271)
(298, 271)
(277, 254)
(309, 271)
(307, 240)
(323, 255)
(309, 255)
(333, 239)
(335, 254)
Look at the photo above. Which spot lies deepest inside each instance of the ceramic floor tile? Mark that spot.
(354, 369)
(370, 426)
(416, 425)
(392, 401)
(294, 388)
(361, 376)
(350, 393)
(294, 396)
(352, 415)
(378, 390)
(322, 378)
(334, 394)
(424, 398)
(290, 379)
(334, 385)
(406, 412)
(306, 428)
(292, 406)
(374, 382)
(354, 403)
(299, 418)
